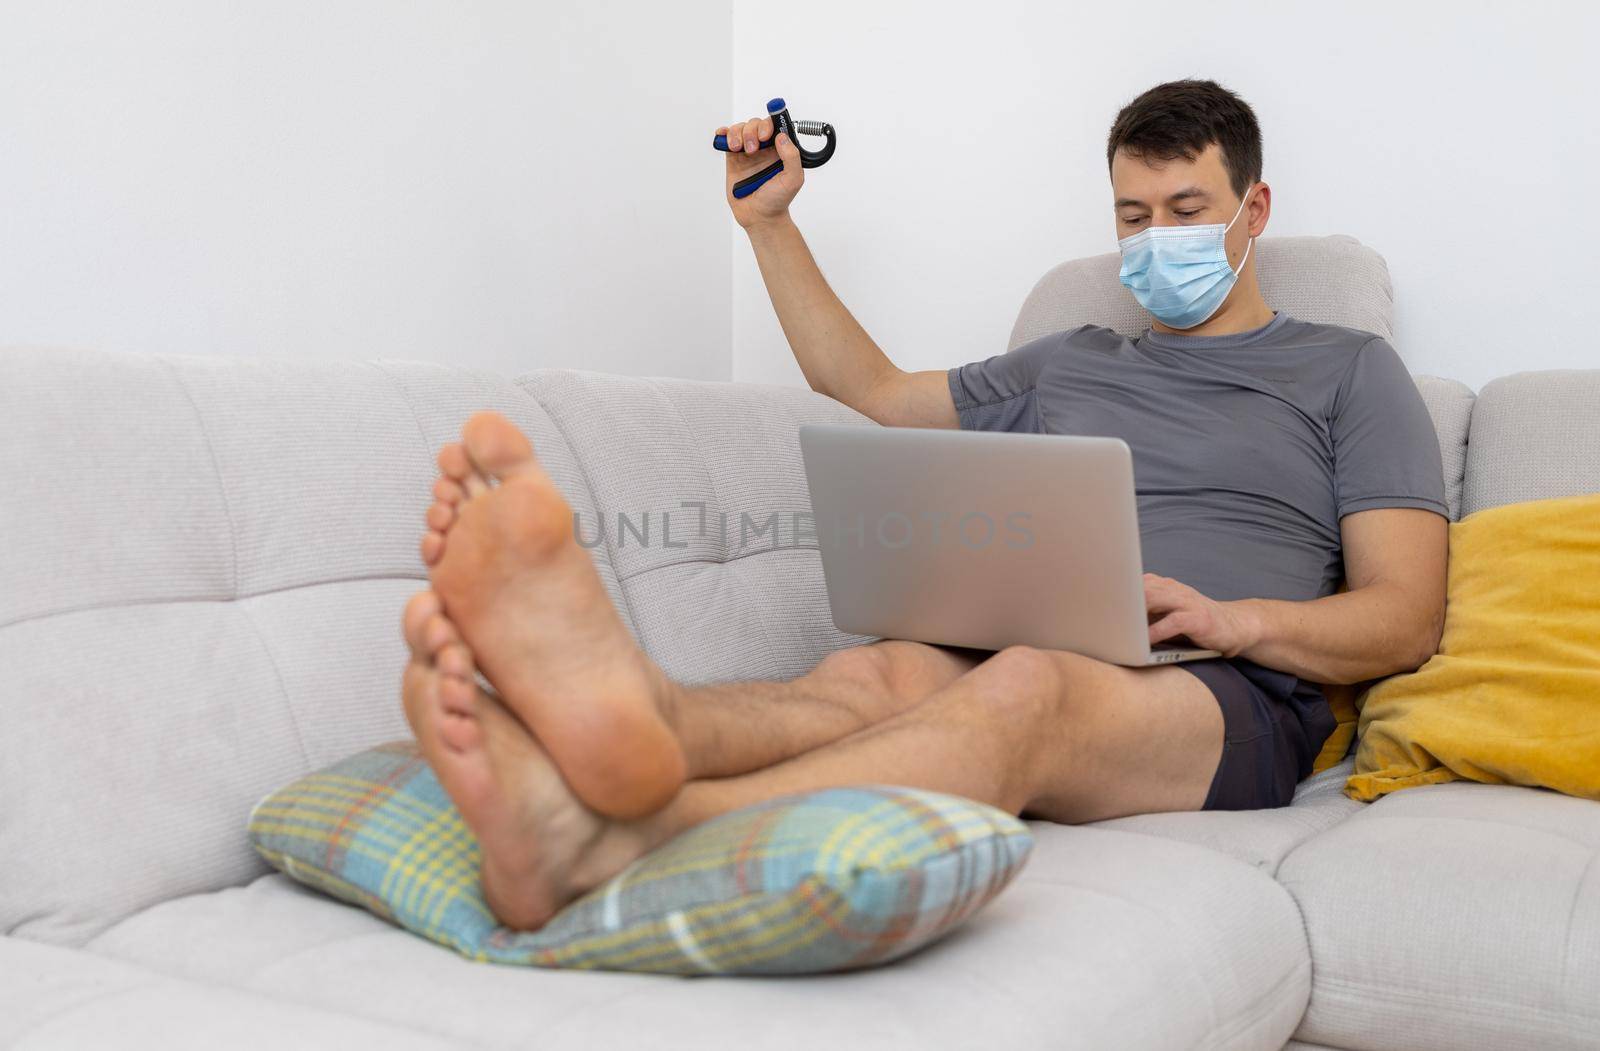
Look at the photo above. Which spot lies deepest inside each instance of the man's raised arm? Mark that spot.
(835, 353)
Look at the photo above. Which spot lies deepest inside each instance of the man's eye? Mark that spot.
(1188, 215)
(1131, 220)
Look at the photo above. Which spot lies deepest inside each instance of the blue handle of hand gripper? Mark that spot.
(756, 181)
(721, 143)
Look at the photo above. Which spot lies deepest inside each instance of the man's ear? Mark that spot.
(1259, 209)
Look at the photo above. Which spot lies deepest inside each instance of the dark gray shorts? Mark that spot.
(1274, 724)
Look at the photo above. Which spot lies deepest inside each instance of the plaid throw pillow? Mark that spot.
(819, 881)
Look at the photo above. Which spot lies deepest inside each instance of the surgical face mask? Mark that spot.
(1181, 273)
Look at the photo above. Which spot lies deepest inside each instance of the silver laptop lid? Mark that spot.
(983, 539)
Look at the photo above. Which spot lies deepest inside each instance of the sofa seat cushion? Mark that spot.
(1099, 926)
(55, 999)
(1261, 838)
(1454, 916)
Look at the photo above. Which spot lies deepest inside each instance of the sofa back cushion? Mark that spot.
(1450, 404)
(699, 504)
(206, 560)
(1333, 280)
(1535, 435)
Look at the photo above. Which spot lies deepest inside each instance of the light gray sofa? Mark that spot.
(203, 567)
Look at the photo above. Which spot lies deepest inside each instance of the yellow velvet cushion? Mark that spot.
(1513, 696)
(1342, 700)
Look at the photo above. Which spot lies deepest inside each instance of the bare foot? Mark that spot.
(527, 600)
(540, 847)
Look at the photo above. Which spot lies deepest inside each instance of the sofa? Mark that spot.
(204, 564)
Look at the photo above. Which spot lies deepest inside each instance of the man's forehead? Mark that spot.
(1138, 181)
(1197, 194)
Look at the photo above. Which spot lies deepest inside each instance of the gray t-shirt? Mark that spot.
(1247, 448)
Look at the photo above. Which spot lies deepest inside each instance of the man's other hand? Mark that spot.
(1175, 609)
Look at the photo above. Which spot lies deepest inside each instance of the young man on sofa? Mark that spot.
(1272, 458)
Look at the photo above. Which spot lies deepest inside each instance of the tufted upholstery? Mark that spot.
(1454, 916)
(234, 623)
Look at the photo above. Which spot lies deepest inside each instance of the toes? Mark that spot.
(456, 717)
(453, 462)
(448, 491)
(455, 659)
(419, 607)
(417, 687)
(442, 714)
(437, 633)
(440, 516)
(457, 695)
(460, 732)
(432, 547)
(456, 465)
(496, 447)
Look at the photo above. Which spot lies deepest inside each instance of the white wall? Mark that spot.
(496, 184)
(468, 181)
(1458, 139)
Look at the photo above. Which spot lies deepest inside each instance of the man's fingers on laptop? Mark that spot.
(1171, 607)
(1162, 594)
(1178, 610)
(1173, 625)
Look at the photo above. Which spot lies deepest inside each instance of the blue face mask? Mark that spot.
(1181, 273)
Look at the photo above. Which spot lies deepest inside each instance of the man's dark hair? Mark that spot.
(1181, 118)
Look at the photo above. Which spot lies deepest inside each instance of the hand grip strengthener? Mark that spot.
(781, 121)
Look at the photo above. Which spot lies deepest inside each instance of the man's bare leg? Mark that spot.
(1056, 735)
(1036, 732)
(735, 728)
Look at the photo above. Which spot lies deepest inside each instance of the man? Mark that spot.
(1271, 457)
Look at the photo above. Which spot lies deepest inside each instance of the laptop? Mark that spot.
(982, 539)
